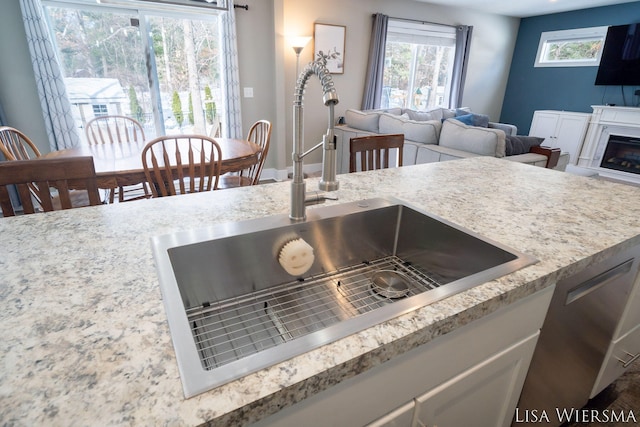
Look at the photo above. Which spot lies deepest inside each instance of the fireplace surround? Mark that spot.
(612, 144)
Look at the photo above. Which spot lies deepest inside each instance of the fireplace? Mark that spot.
(612, 144)
(622, 153)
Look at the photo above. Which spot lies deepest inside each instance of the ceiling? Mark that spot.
(525, 8)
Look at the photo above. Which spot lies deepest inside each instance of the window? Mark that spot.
(571, 48)
(418, 68)
(100, 110)
(163, 69)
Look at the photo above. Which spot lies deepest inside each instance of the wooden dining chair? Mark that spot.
(373, 152)
(113, 129)
(180, 164)
(117, 130)
(260, 134)
(52, 180)
(15, 145)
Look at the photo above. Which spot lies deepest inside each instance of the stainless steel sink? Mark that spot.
(233, 309)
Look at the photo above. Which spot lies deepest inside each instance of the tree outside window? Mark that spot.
(418, 65)
(178, 55)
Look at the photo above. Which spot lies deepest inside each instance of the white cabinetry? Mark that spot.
(481, 366)
(561, 129)
(481, 396)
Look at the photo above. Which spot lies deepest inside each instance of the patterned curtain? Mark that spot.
(375, 68)
(232, 127)
(56, 108)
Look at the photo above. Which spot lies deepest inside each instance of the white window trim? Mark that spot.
(574, 34)
(168, 5)
(149, 7)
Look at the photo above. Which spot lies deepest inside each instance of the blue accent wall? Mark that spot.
(561, 88)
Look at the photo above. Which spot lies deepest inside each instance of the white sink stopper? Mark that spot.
(296, 257)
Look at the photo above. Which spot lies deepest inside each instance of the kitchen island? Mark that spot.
(83, 332)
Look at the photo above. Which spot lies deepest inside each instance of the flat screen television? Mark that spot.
(620, 61)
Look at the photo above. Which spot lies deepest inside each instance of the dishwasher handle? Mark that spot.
(627, 363)
(598, 281)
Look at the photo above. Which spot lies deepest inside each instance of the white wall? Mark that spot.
(18, 93)
(492, 46)
(267, 63)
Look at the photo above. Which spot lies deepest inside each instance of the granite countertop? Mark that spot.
(83, 333)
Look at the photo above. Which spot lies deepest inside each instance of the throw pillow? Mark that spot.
(425, 132)
(449, 114)
(467, 119)
(395, 111)
(420, 115)
(365, 120)
(520, 144)
(472, 139)
(472, 119)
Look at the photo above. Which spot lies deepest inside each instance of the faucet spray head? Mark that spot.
(330, 97)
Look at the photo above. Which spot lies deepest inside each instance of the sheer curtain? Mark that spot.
(233, 125)
(55, 105)
(463, 42)
(375, 67)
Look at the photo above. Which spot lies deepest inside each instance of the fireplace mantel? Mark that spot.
(605, 121)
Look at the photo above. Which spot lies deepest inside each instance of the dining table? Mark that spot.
(120, 164)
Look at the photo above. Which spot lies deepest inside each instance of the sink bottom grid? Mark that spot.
(229, 330)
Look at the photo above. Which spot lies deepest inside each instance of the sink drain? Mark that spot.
(390, 284)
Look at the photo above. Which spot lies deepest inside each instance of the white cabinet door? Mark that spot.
(484, 395)
(561, 129)
(631, 316)
(622, 354)
(570, 134)
(401, 417)
(624, 349)
(544, 126)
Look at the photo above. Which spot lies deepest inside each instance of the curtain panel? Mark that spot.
(375, 67)
(56, 108)
(461, 60)
(233, 125)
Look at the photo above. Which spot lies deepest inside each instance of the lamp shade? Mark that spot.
(299, 43)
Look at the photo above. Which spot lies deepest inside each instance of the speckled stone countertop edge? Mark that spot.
(116, 316)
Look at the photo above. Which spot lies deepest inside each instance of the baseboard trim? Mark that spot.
(283, 174)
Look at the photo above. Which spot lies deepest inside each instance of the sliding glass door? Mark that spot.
(162, 70)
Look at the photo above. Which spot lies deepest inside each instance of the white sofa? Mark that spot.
(437, 135)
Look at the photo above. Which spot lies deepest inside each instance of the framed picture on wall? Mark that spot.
(329, 44)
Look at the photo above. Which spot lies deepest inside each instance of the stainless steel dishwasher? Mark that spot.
(582, 318)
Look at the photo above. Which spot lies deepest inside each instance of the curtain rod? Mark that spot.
(235, 6)
(420, 21)
(209, 4)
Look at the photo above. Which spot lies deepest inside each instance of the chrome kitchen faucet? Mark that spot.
(299, 197)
